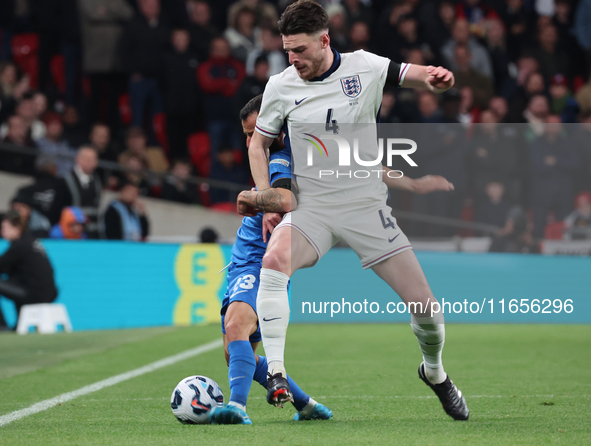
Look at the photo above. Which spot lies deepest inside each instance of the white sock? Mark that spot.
(309, 408)
(239, 406)
(430, 332)
(273, 311)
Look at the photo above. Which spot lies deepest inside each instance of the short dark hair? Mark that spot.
(252, 106)
(303, 16)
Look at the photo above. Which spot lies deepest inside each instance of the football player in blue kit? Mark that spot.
(239, 315)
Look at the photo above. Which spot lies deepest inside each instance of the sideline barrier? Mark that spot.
(107, 285)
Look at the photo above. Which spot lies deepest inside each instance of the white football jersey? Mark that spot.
(341, 105)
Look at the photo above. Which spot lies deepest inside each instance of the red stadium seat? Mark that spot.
(125, 109)
(24, 52)
(58, 72)
(159, 124)
(554, 231)
(200, 153)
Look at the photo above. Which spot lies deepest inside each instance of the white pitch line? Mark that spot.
(64, 397)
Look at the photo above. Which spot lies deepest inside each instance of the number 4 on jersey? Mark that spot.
(386, 221)
(331, 124)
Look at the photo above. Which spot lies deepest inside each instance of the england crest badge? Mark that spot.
(351, 86)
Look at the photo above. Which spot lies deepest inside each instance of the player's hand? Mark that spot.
(440, 79)
(270, 220)
(243, 207)
(432, 183)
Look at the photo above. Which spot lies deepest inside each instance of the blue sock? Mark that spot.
(300, 398)
(241, 371)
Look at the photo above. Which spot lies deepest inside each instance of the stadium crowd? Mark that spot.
(157, 85)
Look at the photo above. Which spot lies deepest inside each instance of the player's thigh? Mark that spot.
(240, 321)
(405, 275)
(288, 251)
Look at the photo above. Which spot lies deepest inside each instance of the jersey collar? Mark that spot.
(335, 65)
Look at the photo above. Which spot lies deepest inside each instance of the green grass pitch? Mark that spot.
(524, 384)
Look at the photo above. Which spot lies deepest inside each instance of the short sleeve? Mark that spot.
(272, 115)
(377, 64)
(280, 166)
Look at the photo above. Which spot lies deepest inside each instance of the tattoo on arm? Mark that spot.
(269, 200)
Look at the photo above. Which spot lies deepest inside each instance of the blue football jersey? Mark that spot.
(249, 246)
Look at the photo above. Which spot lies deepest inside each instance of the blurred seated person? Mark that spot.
(30, 274)
(125, 218)
(72, 225)
(54, 145)
(100, 139)
(578, 223)
(493, 208)
(133, 173)
(176, 187)
(152, 158)
(17, 134)
(224, 169)
(74, 131)
(36, 223)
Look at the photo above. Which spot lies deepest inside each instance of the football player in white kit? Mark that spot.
(325, 87)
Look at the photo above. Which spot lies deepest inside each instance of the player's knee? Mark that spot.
(276, 260)
(239, 328)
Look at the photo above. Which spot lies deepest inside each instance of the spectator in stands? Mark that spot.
(428, 107)
(152, 158)
(497, 47)
(81, 187)
(242, 34)
(143, 43)
(479, 60)
(133, 174)
(469, 113)
(550, 55)
(220, 77)
(578, 223)
(583, 97)
(561, 101)
(265, 12)
(437, 27)
(30, 274)
(534, 85)
(182, 96)
(53, 144)
(17, 134)
(208, 235)
(125, 217)
(553, 165)
(28, 112)
(272, 49)
(71, 226)
(39, 104)
(35, 222)
(100, 139)
(516, 19)
(200, 28)
(478, 14)
(388, 108)
(493, 156)
(467, 76)
(102, 24)
(253, 85)
(74, 132)
(357, 11)
(176, 186)
(11, 89)
(224, 168)
(359, 37)
(499, 106)
(337, 27)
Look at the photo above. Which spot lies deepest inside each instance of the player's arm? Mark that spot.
(423, 185)
(437, 79)
(279, 198)
(258, 155)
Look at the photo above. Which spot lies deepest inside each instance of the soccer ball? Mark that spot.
(194, 397)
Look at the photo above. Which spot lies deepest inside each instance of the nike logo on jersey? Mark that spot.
(390, 240)
(236, 377)
(301, 100)
(269, 320)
